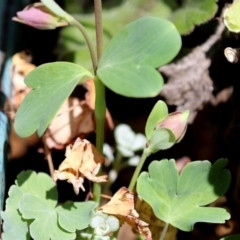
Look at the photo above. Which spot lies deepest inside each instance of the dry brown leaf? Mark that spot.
(122, 206)
(82, 160)
(90, 100)
(74, 119)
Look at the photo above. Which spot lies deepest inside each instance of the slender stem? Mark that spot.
(98, 24)
(163, 234)
(100, 112)
(100, 104)
(88, 41)
(137, 171)
(49, 157)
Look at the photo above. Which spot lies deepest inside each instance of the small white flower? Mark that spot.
(128, 141)
(104, 224)
(134, 161)
(112, 175)
(107, 151)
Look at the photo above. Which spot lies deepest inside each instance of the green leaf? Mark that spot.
(40, 184)
(232, 237)
(158, 112)
(45, 224)
(128, 64)
(14, 227)
(52, 83)
(180, 200)
(76, 215)
(52, 5)
(193, 12)
(231, 16)
(15, 194)
(161, 139)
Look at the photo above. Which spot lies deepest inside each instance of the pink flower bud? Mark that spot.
(177, 123)
(38, 16)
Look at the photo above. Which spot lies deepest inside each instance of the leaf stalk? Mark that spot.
(138, 170)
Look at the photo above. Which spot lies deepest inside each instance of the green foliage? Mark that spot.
(52, 84)
(32, 204)
(231, 16)
(128, 64)
(232, 237)
(191, 13)
(158, 112)
(179, 200)
(161, 139)
(50, 4)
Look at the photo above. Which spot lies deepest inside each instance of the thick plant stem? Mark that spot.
(100, 113)
(98, 24)
(163, 234)
(137, 171)
(89, 43)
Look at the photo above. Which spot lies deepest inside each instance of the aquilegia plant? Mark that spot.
(127, 66)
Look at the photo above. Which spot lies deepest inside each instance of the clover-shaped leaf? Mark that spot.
(40, 185)
(75, 215)
(128, 64)
(45, 224)
(52, 83)
(180, 200)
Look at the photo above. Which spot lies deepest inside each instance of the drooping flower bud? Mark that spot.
(176, 122)
(39, 16)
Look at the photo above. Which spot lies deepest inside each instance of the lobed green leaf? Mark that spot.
(75, 215)
(180, 200)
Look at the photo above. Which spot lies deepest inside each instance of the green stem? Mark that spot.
(137, 171)
(163, 234)
(99, 29)
(100, 113)
(100, 104)
(88, 41)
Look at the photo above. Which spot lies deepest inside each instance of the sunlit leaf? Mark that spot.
(76, 215)
(128, 65)
(14, 227)
(52, 83)
(45, 224)
(180, 200)
(40, 185)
